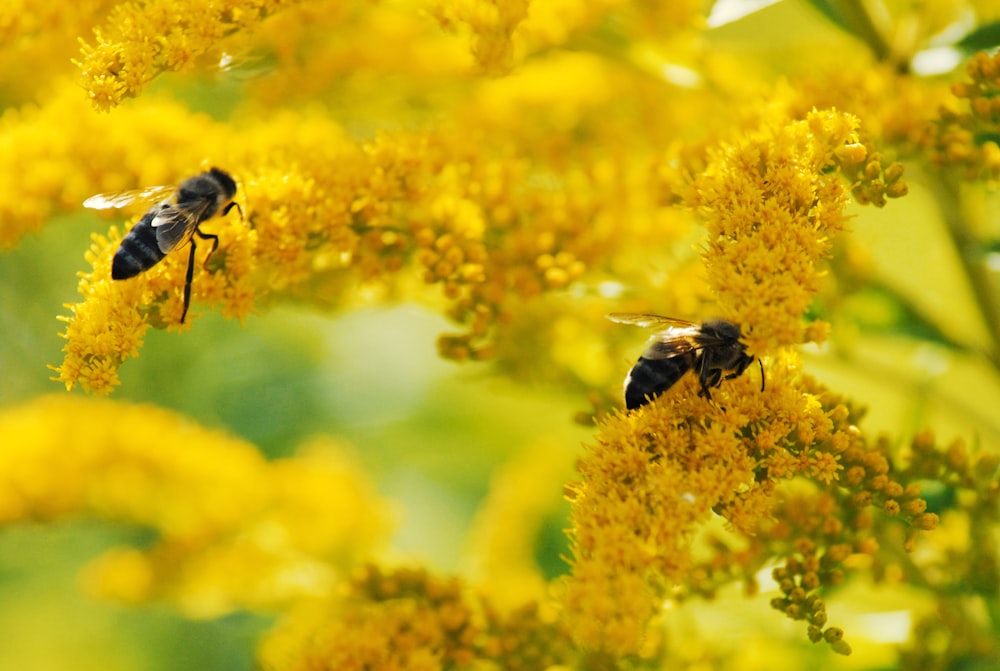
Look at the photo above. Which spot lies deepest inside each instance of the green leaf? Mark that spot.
(831, 12)
(984, 37)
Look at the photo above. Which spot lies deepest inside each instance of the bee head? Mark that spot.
(720, 328)
(225, 180)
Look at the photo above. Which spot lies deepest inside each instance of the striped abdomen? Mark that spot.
(651, 377)
(139, 250)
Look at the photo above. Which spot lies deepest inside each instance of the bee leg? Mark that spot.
(215, 244)
(741, 366)
(189, 277)
(187, 280)
(709, 378)
(190, 269)
(231, 205)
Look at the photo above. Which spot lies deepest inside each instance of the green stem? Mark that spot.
(946, 194)
(857, 18)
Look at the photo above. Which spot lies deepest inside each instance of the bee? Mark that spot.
(170, 223)
(712, 349)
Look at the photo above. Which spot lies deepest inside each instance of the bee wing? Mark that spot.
(649, 321)
(173, 226)
(673, 343)
(678, 341)
(147, 196)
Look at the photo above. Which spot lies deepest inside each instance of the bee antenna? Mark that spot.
(246, 199)
(761, 362)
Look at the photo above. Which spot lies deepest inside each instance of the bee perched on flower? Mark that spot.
(170, 223)
(712, 349)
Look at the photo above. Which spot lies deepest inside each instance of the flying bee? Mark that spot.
(169, 223)
(712, 349)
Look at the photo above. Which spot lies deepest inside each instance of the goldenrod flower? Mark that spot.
(653, 478)
(966, 134)
(142, 40)
(772, 202)
(48, 173)
(493, 25)
(43, 36)
(656, 476)
(412, 619)
(503, 34)
(340, 206)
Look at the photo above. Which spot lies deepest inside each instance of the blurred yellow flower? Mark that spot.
(411, 619)
(235, 531)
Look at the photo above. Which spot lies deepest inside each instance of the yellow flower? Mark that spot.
(504, 34)
(772, 202)
(966, 134)
(141, 41)
(317, 204)
(656, 475)
(60, 153)
(412, 619)
(44, 36)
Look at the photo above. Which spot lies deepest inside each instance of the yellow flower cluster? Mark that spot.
(785, 467)
(771, 203)
(288, 61)
(897, 112)
(291, 220)
(48, 173)
(44, 36)
(969, 139)
(651, 480)
(504, 34)
(492, 24)
(235, 531)
(481, 223)
(104, 330)
(410, 619)
(142, 41)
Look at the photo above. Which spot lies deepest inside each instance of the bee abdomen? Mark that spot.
(139, 251)
(651, 377)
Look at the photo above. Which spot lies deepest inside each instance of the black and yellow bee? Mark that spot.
(170, 223)
(712, 349)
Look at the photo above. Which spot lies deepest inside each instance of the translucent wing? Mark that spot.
(174, 226)
(650, 321)
(674, 343)
(673, 337)
(147, 196)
